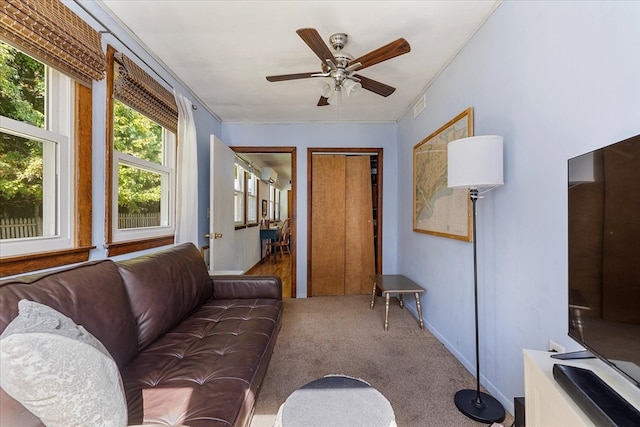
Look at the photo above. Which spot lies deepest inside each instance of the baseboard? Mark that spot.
(506, 402)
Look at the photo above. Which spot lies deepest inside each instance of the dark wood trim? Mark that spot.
(122, 248)
(83, 166)
(293, 209)
(310, 152)
(41, 260)
(309, 236)
(260, 149)
(379, 212)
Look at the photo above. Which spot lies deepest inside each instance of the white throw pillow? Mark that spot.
(59, 371)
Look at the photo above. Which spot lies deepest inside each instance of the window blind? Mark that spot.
(140, 91)
(52, 33)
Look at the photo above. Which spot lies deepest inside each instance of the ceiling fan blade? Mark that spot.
(283, 77)
(391, 50)
(323, 101)
(375, 86)
(312, 38)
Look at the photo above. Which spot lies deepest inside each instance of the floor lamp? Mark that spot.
(475, 163)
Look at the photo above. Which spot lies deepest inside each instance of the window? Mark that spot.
(272, 202)
(142, 121)
(238, 195)
(252, 198)
(37, 156)
(245, 190)
(144, 159)
(276, 211)
(45, 134)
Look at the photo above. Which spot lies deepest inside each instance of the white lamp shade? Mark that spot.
(351, 87)
(475, 162)
(335, 97)
(327, 90)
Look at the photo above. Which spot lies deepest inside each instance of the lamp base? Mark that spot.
(486, 410)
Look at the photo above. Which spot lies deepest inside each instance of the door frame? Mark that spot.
(292, 210)
(360, 151)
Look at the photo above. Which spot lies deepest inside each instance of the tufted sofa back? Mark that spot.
(164, 288)
(91, 294)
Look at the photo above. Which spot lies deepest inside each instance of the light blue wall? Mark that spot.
(556, 79)
(303, 136)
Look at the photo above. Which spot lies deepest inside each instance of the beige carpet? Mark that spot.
(341, 335)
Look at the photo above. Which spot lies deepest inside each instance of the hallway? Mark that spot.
(281, 268)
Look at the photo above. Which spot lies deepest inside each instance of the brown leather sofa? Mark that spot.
(170, 328)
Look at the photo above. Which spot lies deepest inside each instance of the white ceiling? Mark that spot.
(222, 51)
(279, 162)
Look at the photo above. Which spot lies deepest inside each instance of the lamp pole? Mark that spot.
(473, 194)
(475, 404)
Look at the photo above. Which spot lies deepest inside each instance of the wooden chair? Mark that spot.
(282, 242)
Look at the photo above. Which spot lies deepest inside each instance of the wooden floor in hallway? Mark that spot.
(282, 268)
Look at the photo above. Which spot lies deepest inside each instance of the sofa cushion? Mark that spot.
(164, 287)
(91, 294)
(208, 369)
(59, 371)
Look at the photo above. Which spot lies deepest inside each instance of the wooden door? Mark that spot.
(342, 247)
(359, 247)
(328, 224)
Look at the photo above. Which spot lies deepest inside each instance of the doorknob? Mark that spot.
(215, 235)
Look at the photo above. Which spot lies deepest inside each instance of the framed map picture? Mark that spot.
(437, 209)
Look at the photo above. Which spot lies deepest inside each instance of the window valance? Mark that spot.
(52, 33)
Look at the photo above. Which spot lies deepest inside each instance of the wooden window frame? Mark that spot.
(82, 198)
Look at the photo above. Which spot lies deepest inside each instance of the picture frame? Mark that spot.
(265, 209)
(437, 209)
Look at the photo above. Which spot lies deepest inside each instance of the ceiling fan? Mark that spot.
(341, 67)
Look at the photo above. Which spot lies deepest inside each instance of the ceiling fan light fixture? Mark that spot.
(328, 88)
(351, 86)
(335, 96)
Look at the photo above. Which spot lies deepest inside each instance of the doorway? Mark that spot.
(256, 152)
(344, 215)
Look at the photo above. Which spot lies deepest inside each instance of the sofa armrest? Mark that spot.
(237, 287)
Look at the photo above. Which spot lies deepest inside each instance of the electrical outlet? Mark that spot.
(555, 347)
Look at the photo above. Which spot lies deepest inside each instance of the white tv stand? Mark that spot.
(548, 405)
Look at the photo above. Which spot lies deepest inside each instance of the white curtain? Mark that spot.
(187, 175)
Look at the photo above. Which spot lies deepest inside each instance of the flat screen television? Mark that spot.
(604, 254)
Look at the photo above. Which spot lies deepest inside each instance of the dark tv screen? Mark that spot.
(604, 254)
